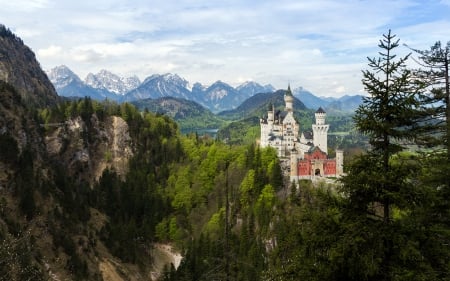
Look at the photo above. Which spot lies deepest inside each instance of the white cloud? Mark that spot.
(24, 5)
(340, 90)
(51, 52)
(89, 55)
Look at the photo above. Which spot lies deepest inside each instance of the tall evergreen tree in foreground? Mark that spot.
(380, 186)
(389, 117)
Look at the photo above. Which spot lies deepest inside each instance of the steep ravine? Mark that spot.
(163, 255)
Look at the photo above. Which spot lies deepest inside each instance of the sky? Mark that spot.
(319, 45)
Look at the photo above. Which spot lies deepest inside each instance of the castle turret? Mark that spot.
(320, 130)
(320, 116)
(289, 99)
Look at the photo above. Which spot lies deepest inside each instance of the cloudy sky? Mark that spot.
(319, 45)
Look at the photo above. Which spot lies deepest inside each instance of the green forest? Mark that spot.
(226, 205)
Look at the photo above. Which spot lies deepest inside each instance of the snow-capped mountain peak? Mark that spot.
(107, 85)
(251, 88)
(247, 84)
(157, 86)
(174, 78)
(111, 82)
(61, 76)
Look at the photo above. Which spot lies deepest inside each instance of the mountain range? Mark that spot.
(217, 97)
(105, 84)
(347, 103)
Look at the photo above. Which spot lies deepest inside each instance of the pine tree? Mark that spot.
(388, 116)
(380, 182)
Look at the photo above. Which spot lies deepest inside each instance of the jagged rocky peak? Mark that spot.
(158, 85)
(198, 88)
(168, 80)
(250, 88)
(112, 82)
(172, 77)
(218, 90)
(175, 79)
(61, 76)
(20, 69)
(248, 84)
(132, 82)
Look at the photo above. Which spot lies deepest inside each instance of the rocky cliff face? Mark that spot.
(84, 151)
(19, 68)
(19, 132)
(109, 146)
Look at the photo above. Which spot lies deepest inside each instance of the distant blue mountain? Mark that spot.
(250, 88)
(309, 100)
(345, 103)
(217, 97)
(158, 86)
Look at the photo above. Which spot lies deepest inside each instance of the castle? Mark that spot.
(308, 152)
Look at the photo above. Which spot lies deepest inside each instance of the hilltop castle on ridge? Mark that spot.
(308, 152)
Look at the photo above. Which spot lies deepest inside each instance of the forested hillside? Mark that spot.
(188, 114)
(174, 192)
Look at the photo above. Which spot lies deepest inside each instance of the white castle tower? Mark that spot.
(320, 130)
